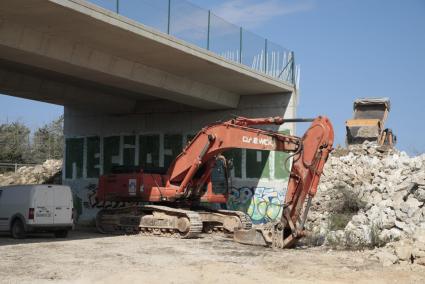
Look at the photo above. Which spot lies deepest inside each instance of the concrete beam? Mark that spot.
(54, 91)
(25, 45)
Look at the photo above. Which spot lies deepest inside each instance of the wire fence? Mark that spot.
(8, 167)
(203, 28)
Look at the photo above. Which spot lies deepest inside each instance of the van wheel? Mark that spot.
(61, 234)
(18, 230)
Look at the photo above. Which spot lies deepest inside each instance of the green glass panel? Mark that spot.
(172, 147)
(236, 156)
(280, 158)
(111, 152)
(129, 150)
(257, 164)
(74, 156)
(149, 151)
(93, 157)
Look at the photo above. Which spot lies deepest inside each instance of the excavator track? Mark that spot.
(245, 220)
(224, 221)
(194, 228)
(107, 220)
(150, 220)
(164, 221)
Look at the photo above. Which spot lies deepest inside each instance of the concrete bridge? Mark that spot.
(76, 54)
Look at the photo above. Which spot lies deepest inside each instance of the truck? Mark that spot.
(368, 124)
(36, 208)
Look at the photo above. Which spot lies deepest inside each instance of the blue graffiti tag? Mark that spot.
(262, 204)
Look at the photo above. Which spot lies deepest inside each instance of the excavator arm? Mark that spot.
(307, 167)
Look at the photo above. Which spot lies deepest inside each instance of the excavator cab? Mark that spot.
(368, 123)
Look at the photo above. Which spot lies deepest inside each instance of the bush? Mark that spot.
(338, 221)
(351, 202)
(346, 207)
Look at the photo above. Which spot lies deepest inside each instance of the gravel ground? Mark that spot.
(88, 257)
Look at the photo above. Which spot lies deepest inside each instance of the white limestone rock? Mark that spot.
(390, 235)
(386, 258)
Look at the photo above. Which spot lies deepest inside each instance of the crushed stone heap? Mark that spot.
(372, 197)
(32, 175)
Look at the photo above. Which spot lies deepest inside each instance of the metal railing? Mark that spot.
(203, 28)
(13, 166)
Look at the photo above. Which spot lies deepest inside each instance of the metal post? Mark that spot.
(240, 45)
(169, 16)
(16, 167)
(265, 56)
(209, 30)
(117, 6)
(293, 67)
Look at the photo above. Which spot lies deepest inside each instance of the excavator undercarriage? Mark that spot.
(166, 221)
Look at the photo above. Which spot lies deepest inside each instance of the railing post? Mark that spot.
(293, 67)
(209, 30)
(117, 6)
(265, 56)
(169, 16)
(240, 45)
(16, 167)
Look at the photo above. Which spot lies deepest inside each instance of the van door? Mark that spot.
(63, 205)
(43, 205)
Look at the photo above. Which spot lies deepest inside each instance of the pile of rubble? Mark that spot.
(33, 175)
(371, 197)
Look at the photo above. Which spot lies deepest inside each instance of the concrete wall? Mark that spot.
(94, 141)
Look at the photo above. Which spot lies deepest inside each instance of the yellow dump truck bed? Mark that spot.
(370, 115)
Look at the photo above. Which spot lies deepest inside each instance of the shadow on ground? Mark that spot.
(79, 233)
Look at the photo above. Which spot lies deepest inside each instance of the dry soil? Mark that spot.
(88, 257)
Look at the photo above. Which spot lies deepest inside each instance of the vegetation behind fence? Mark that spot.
(18, 146)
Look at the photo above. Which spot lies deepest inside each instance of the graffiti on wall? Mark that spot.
(262, 204)
(93, 202)
(86, 199)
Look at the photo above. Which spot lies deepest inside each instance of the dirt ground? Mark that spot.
(88, 257)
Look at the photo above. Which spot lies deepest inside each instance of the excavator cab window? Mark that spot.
(220, 176)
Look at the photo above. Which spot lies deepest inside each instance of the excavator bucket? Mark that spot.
(250, 237)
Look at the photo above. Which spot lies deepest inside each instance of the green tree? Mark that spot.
(48, 141)
(14, 142)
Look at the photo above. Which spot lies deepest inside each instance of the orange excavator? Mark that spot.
(169, 202)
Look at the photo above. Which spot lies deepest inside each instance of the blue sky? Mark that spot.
(346, 49)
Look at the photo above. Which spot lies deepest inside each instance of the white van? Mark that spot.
(36, 208)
